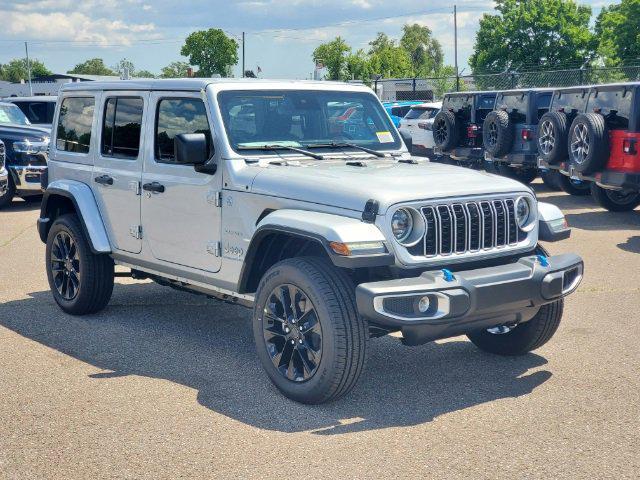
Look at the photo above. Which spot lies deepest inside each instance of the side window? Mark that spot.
(74, 124)
(176, 116)
(121, 127)
(615, 105)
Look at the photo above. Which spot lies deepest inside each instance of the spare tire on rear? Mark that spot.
(552, 137)
(497, 133)
(588, 143)
(445, 131)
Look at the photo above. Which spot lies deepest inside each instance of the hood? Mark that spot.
(336, 183)
(22, 132)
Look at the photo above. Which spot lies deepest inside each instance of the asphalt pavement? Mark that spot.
(164, 384)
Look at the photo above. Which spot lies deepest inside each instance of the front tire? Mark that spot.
(577, 188)
(614, 200)
(522, 338)
(551, 179)
(309, 336)
(7, 196)
(81, 281)
(523, 175)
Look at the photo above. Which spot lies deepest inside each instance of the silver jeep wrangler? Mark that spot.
(300, 200)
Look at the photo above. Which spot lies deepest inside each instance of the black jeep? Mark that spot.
(566, 105)
(457, 128)
(508, 133)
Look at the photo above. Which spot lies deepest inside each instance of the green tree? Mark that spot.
(618, 33)
(424, 51)
(93, 66)
(212, 51)
(533, 34)
(388, 59)
(16, 70)
(176, 69)
(333, 55)
(358, 66)
(144, 74)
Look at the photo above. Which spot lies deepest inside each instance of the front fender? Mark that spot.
(85, 206)
(552, 223)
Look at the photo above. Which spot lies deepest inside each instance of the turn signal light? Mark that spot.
(357, 248)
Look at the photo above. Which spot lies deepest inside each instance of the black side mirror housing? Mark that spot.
(407, 139)
(191, 149)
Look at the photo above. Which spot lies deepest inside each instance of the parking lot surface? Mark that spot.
(164, 384)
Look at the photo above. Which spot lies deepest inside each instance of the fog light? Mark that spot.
(424, 304)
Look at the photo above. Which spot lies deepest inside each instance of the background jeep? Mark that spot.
(509, 133)
(255, 193)
(457, 128)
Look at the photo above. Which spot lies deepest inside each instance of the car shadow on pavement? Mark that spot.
(631, 245)
(155, 332)
(604, 220)
(21, 206)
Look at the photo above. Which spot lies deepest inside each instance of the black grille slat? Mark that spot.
(501, 223)
(431, 237)
(475, 227)
(512, 226)
(460, 216)
(487, 224)
(446, 229)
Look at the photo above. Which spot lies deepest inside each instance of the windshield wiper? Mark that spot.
(281, 147)
(343, 145)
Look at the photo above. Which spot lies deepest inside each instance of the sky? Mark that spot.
(280, 34)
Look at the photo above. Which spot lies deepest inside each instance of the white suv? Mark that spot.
(419, 123)
(300, 200)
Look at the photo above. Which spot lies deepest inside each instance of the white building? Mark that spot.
(47, 84)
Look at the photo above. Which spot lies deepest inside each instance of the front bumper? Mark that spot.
(4, 180)
(29, 178)
(469, 300)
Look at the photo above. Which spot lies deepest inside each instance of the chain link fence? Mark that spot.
(415, 88)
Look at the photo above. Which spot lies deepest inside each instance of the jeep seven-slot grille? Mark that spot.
(463, 227)
(2, 154)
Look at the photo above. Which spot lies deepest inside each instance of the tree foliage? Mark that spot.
(212, 51)
(123, 67)
(425, 52)
(533, 34)
(176, 69)
(618, 32)
(333, 55)
(16, 70)
(93, 66)
(389, 59)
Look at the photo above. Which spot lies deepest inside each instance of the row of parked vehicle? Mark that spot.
(25, 130)
(581, 139)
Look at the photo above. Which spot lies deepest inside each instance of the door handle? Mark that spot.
(104, 180)
(154, 187)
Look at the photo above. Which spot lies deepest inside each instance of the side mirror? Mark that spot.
(407, 139)
(191, 149)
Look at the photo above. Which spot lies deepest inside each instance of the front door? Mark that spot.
(180, 212)
(118, 166)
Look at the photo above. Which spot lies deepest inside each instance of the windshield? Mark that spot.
(300, 118)
(12, 114)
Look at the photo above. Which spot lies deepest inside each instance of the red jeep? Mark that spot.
(601, 143)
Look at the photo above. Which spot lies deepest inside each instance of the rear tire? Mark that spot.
(577, 188)
(525, 337)
(80, 280)
(552, 137)
(339, 338)
(615, 201)
(497, 133)
(588, 147)
(551, 179)
(523, 175)
(7, 197)
(445, 131)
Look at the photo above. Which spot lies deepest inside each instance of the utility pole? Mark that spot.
(243, 55)
(26, 49)
(455, 44)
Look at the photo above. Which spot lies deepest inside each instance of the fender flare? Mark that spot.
(321, 228)
(86, 208)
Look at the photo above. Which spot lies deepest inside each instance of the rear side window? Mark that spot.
(177, 116)
(421, 113)
(570, 102)
(121, 127)
(615, 105)
(486, 102)
(543, 100)
(515, 105)
(38, 112)
(74, 124)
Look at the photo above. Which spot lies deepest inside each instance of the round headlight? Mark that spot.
(401, 224)
(523, 212)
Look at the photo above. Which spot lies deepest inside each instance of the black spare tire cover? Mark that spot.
(445, 131)
(497, 133)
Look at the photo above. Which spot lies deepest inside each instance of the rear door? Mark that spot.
(118, 166)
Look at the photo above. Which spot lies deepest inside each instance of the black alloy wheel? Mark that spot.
(292, 333)
(65, 266)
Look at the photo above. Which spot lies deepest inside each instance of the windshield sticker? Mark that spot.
(4, 118)
(384, 137)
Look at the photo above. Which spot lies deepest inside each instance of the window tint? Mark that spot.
(37, 112)
(615, 105)
(543, 100)
(571, 102)
(121, 127)
(485, 102)
(176, 116)
(515, 105)
(421, 113)
(74, 124)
